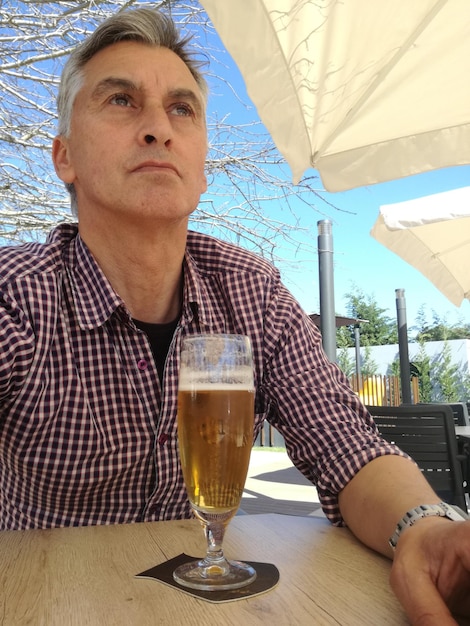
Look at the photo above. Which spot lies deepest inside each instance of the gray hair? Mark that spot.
(142, 25)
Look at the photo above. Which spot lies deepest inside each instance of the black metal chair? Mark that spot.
(460, 411)
(461, 418)
(427, 433)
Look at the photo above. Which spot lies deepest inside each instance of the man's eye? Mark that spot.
(121, 99)
(182, 109)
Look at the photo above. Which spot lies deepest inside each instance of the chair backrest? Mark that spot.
(460, 411)
(427, 433)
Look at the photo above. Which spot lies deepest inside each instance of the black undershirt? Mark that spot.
(160, 337)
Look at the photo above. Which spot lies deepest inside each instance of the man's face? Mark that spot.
(138, 142)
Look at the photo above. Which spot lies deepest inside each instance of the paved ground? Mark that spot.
(274, 485)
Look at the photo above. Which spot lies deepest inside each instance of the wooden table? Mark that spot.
(86, 576)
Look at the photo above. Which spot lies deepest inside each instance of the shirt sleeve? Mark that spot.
(16, 347)
(329, 434)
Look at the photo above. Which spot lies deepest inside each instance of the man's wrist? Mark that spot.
(412, 516)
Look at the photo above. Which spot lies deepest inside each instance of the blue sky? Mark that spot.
(359, 260)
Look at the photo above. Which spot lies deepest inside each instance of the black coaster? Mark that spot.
(267, 577)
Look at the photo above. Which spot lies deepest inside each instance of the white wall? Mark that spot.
(384, 356)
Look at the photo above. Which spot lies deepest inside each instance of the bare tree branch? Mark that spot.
(248, 176)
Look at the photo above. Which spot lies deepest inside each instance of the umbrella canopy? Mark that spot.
(339, 319)
(433, 235)
(362, 91)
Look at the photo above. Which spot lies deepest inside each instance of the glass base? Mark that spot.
(217, 575)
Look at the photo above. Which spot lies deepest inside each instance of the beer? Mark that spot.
(215, 431)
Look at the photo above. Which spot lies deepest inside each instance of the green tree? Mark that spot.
(447, 377)
(421, 326)
(394, 369)
(460, 330)
(345, 337)
(423, 364)
(378, 331)
(345, 362)
(465, 396)
(368, 366)
(439, 329)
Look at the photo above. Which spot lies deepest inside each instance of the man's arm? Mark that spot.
(431, 568)
(374, 501)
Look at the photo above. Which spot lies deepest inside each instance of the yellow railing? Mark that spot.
(382, 390)
(373, 390)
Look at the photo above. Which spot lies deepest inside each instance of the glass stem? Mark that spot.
(214, 531)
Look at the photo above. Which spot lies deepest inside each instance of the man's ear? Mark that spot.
(61, 159)
(204, 183)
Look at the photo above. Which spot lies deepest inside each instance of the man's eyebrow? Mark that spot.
(113, 82)
(187, 95)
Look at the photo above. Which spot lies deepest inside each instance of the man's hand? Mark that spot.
(431, 572)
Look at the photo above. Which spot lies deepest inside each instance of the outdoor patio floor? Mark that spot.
(274, 485)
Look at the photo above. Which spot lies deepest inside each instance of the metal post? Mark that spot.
(327, 297)
(405, 373)
(357, 346)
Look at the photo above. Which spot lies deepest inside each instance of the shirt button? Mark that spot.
(142, 364)
(163, 438)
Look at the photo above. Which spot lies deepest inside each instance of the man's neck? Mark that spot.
(144, 266)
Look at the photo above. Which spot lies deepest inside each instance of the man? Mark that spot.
(91, 324)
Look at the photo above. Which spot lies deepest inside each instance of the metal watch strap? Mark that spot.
(426, 510)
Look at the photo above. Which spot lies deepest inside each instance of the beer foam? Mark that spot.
(194, 385)
(239, 379)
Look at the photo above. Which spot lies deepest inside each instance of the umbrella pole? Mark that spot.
(405, 373)
(327, 297)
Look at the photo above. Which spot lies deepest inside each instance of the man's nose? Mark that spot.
(155, 127)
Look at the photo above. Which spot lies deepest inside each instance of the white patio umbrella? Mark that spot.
(364, 91)
(433, 235)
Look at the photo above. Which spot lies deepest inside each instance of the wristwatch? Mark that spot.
(442, 509)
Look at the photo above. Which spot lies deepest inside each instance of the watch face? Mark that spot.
(455, 513)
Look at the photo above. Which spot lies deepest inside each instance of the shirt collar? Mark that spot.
(196, 302)
(94, 298)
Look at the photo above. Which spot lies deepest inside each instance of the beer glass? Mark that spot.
(215, 436)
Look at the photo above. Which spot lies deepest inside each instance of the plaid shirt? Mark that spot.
(87, 435)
